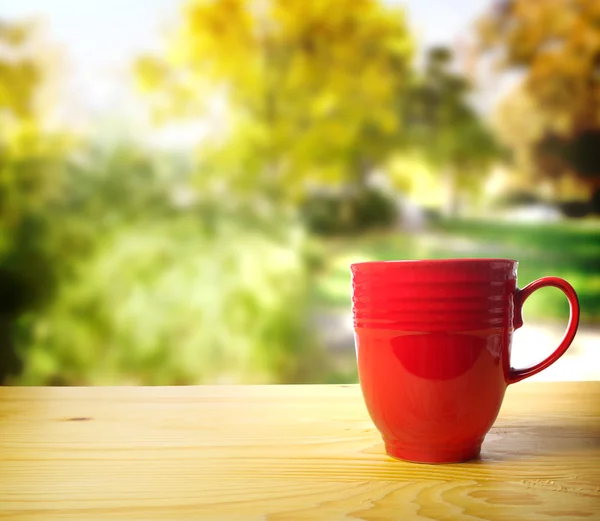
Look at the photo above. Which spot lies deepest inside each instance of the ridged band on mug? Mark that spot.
(434, 295)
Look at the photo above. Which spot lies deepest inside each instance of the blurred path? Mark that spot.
(531, 343)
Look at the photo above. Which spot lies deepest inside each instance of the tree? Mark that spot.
(441, 122)
(553, 117)
(312, 87)
(30, 178)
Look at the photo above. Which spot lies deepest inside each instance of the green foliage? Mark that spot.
(518, 198)
(31, 161)
(329, 213)
(169, 303)
(149, 292)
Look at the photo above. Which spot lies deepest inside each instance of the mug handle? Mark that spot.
(521, 295)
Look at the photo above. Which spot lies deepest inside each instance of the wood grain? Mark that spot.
(284, 453)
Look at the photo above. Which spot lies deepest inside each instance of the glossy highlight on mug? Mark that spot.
(433, 343)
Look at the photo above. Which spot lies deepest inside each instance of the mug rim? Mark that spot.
(462, 260)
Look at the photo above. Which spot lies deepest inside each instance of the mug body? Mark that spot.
(433, 348)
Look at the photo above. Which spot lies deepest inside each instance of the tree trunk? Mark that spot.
(10, 364)
(451, 203)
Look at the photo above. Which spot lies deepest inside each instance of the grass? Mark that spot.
(570, 250)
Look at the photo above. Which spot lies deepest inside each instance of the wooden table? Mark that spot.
(284, 453)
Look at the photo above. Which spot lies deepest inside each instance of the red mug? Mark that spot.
(433, 340)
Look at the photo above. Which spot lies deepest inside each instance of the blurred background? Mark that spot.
(183, 184)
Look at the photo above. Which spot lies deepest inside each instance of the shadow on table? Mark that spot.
(527, 440)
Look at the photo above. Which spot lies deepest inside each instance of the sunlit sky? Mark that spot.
(101, 38)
